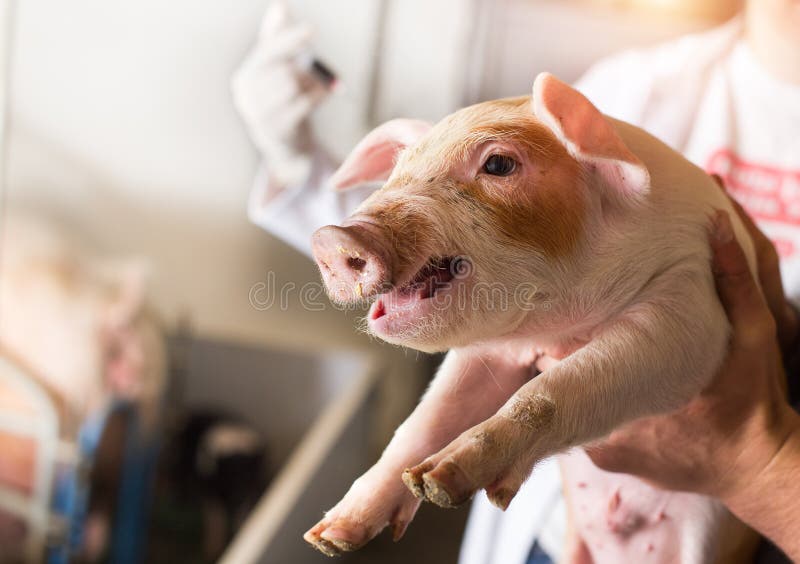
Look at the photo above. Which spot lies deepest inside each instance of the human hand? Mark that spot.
(275, 96)
(724, 438)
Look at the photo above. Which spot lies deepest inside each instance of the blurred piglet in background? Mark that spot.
(78, 325)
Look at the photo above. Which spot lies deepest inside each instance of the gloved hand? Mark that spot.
(275, 96)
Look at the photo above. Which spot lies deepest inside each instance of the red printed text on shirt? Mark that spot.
(767, 193)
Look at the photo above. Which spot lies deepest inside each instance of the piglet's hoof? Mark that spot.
(444, 484)
(375, 501)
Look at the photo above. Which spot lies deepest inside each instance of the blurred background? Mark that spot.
(149, 409)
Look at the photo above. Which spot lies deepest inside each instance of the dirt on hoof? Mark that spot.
(326, 547)
(435, 493)
(414, 484)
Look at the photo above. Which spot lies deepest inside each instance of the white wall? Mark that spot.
(525, 37)
(425, 58)
(6, 38)
(123, 125)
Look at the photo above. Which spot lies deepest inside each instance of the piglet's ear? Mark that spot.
(587, 134)
(374, 157)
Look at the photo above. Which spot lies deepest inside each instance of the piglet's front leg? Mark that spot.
(469, 387)
(651, 359)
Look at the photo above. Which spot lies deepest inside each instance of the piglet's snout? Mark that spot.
(353, 264)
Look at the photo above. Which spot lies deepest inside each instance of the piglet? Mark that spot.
(77, 320)
(518, 228)
(78, 324)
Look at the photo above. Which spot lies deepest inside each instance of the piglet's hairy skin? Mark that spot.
(604, 227)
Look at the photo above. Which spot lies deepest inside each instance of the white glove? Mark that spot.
(275, 96)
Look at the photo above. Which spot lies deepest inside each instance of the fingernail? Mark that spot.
(721, 228)
(413, 483)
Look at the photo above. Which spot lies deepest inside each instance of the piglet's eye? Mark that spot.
(499, 165)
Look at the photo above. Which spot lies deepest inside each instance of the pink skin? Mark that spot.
(606, 507)
(471, 385)
(467, 390)
(360, 252)
(416, 247)
(632, 313)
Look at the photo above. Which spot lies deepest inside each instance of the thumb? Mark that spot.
(737, 289)
(275, 17)
(289, 43)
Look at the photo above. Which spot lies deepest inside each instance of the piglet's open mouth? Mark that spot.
(435, 276)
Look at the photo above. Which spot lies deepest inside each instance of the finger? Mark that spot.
(624, 450)
(284, 45)
(766, 253)
(748, 222)
(765, 250)
(785, 316)
(260, 66)
(736, 287)
(769, 275)
(275, 17)
(752, 229)
(612, 458)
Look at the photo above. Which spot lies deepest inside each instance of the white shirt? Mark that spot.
(707, 97)
(294, 213)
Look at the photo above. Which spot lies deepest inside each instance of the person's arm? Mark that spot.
(296, 211)
(275, 95)
(771, 502)
(766, 494)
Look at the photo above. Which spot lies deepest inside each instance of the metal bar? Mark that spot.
(18, 424)
(19, 505)
(47, 441)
